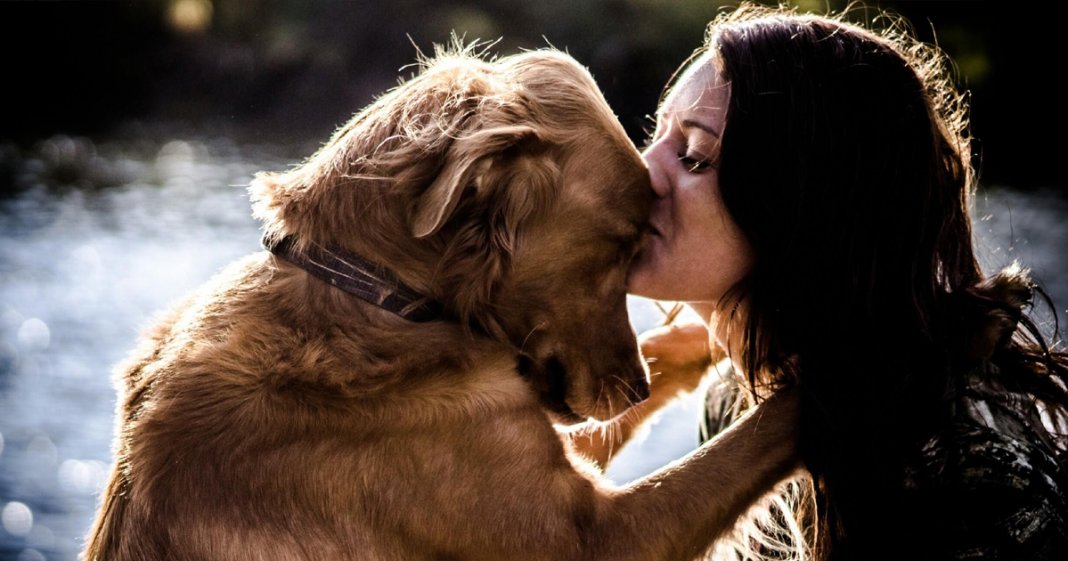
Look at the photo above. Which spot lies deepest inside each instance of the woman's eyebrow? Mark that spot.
(691, 124)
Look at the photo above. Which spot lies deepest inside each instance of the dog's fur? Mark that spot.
(272, 416)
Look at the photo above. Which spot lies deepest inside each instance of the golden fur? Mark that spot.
(271, 416)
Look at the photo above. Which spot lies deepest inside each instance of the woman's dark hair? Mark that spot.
(846, 162)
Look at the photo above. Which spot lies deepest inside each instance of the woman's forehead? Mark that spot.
(700, 90)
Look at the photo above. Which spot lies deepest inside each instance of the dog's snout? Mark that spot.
(639, 389)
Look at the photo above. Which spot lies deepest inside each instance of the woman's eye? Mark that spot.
(695, 164)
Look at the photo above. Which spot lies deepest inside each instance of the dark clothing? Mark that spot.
(987, 485)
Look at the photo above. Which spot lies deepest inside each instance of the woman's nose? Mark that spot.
(658, 176)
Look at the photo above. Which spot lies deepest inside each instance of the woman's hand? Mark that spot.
(678, 357)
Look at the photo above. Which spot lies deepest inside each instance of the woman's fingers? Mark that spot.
(678, 356)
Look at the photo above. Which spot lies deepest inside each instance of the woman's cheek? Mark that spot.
(643, 273)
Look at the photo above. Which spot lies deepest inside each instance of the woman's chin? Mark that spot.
(643, 281)
(653, 274)
(636, 281)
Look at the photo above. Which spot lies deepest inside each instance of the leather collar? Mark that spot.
(357, 276)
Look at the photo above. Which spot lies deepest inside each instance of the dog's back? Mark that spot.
(251, 429)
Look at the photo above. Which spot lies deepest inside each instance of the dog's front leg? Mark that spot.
(500, 485)
(679, 511)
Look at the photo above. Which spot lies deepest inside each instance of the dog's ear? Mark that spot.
(272, 199)
(463, 161)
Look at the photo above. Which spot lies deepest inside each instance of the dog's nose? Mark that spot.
(639, 389)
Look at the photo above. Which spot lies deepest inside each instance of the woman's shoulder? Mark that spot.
(991, 478)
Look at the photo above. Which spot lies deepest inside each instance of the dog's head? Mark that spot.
(506, 190)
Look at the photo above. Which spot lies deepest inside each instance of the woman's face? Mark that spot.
(694, 251)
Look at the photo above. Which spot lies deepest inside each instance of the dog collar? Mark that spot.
(357, 276)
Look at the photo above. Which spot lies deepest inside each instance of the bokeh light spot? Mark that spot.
(34, 335)
(10, 317)
(189, 16)
(80, 477)
(17, 518)
(30, 554)
(41, 450)
(41, 538)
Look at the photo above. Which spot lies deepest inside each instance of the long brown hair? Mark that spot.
(846, 162)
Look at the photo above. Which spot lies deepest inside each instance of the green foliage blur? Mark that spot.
(295, 69)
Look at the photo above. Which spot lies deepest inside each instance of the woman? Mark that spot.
(813, 181)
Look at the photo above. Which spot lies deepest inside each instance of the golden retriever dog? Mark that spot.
(444, 287)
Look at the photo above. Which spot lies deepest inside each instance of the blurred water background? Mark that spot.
(132, 130)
